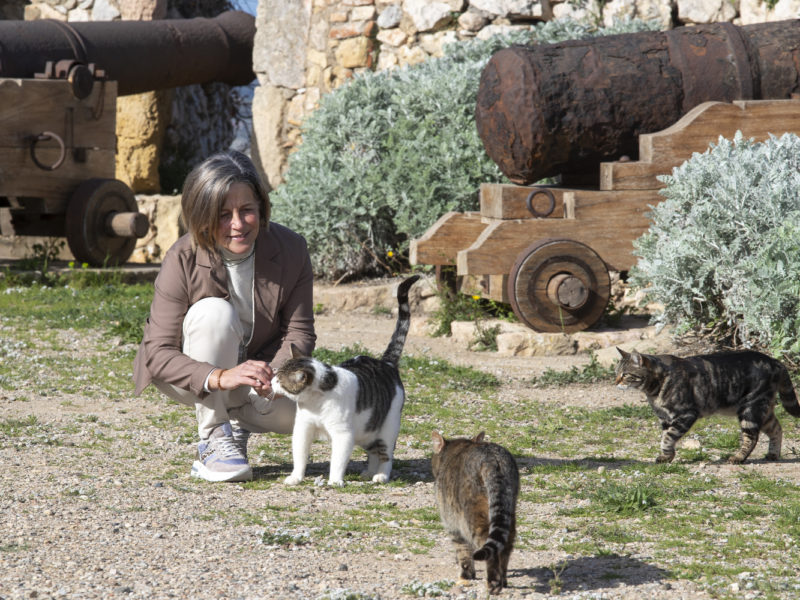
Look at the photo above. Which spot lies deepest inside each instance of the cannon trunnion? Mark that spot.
(59, 84)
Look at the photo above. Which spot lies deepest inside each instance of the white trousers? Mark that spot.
(212, 333)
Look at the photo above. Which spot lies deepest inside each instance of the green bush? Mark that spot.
(387, 154)
(723, 249)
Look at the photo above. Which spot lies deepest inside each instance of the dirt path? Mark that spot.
(96, 502)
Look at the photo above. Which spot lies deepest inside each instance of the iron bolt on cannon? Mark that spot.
(59, 84)
(607, 116)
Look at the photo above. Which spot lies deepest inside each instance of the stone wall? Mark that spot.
(306, 48)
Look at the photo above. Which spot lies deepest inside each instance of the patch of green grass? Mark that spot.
(625, 499)
(285, 538)
(335, 357)
(456, 306)
(380, 310)
(614, 534)
(114, 309)
(485, 339)
(449, 377)
(723, 440)
(18, 427)
(694, 455)
(593, 372)
(420, 589)
(788, 517)
(761, 485)
(628, 411)
(170, 419)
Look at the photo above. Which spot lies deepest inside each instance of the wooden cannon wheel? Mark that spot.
(103, 222)
(559, 285)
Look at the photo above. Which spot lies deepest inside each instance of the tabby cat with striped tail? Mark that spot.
(681, 390)
(357, 402)
(477, 484)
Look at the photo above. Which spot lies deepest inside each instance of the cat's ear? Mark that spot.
(296, 352)
(479, 438)
(622, 352)
(637, 359)
(438, 441)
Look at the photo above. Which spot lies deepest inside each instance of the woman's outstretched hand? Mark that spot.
(255, 373)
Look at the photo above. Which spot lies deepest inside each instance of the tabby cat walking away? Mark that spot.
(356, 402)
(681, 390)
(477, 483)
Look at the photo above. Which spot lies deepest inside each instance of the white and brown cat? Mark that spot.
(357, 402)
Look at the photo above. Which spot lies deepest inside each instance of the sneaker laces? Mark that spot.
(240, 438)
(227, 447)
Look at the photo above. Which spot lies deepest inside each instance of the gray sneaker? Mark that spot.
(220, 458)
(240, 437)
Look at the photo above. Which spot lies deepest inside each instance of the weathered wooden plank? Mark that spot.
(633, 175)
(439, 245)
(661, 151)
(32, 106)
(20, 177)
(607, 222)
(706, 123)
(505, 201)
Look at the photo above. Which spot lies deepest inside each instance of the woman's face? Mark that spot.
(239, 219)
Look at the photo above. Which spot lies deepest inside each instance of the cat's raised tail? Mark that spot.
(787, 394)
(395, 348)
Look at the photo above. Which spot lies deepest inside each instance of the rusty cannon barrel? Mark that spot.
(563, 108)
(139, 55)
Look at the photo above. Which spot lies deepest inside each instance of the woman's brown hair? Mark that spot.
(204, 193)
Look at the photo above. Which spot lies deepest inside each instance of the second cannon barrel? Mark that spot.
(563, 108)
(140, 55)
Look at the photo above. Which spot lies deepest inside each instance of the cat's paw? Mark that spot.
(380, 478)
(495, 587)
(664, 458)
(772, 456)
(336, 482)
(735, 460)
(292, 480)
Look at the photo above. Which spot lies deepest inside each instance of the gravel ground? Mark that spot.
(99, 504)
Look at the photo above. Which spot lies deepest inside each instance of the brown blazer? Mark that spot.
(282, 297)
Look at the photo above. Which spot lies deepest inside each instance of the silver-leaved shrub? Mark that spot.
(387, 154)
(723, 249)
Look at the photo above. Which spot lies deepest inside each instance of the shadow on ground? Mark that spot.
(589, 573)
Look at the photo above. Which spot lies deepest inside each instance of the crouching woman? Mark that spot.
(231, 296)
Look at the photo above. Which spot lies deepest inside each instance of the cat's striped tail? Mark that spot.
(395, 348)
(787, 394)
(502, 526)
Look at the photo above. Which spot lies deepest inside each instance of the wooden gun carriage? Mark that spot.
(547, 249)
(58, 95)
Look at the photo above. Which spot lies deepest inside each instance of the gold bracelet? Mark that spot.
(218, 384)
